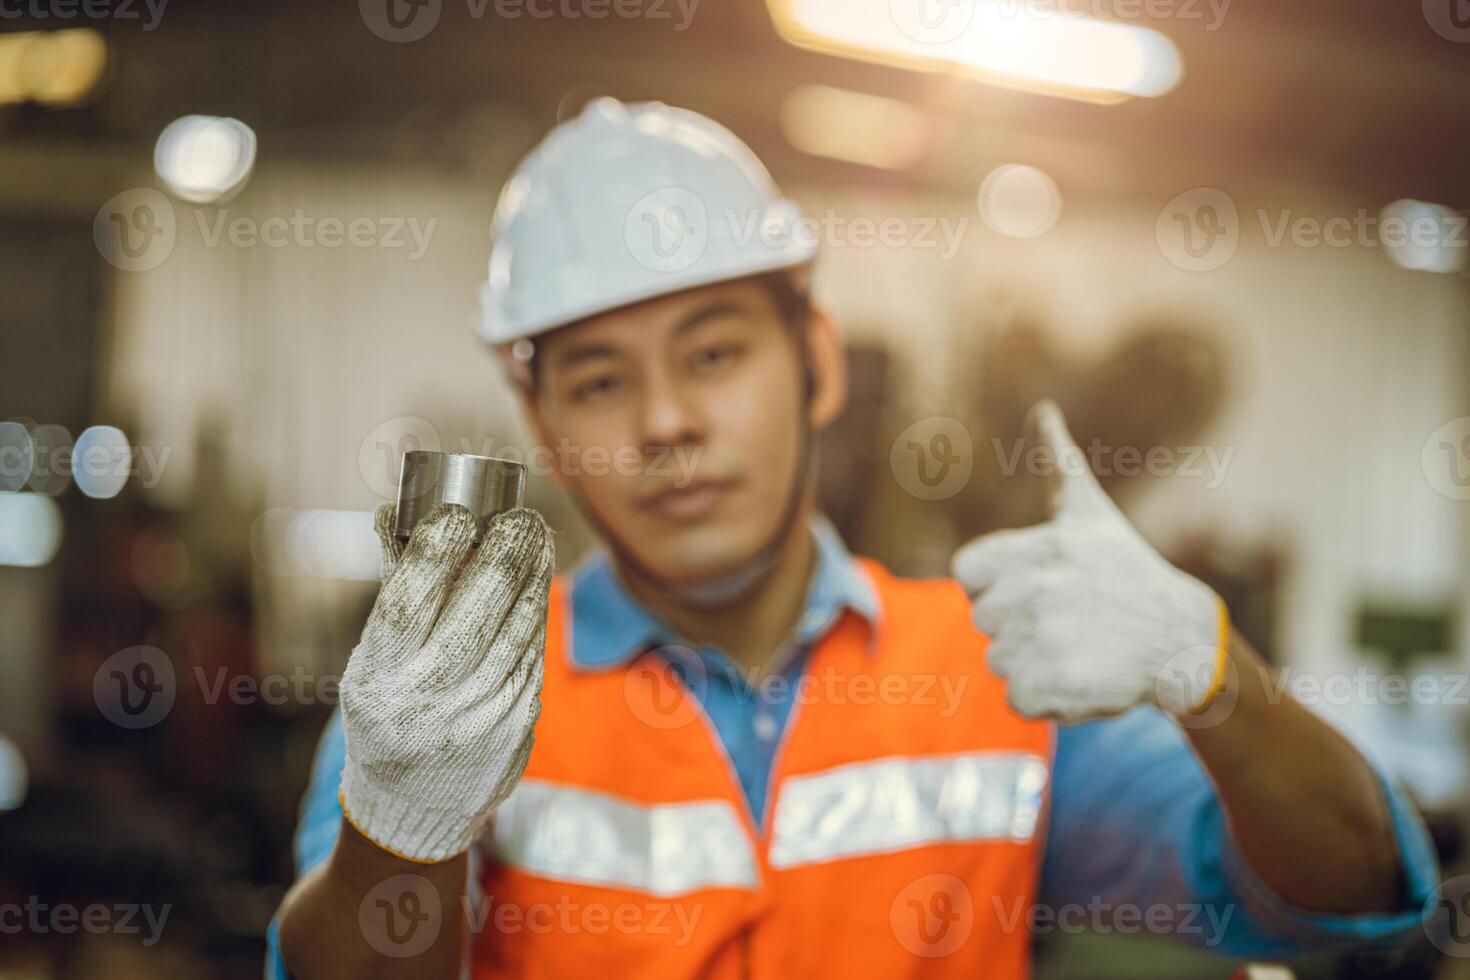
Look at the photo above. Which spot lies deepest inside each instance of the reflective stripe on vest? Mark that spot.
(878, 807)
(666, 849)
(900, 802)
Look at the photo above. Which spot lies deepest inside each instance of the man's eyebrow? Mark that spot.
(579, 353)
(592, 350)
(707, 313)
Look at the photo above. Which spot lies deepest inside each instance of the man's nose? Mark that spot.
(671, 416)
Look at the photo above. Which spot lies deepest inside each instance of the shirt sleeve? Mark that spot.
(321, 822)
(1136, 825)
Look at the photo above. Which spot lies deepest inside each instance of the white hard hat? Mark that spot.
(625, 203)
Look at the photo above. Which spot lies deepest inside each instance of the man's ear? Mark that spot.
(828, 369)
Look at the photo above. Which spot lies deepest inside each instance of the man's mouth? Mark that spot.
(691, 502)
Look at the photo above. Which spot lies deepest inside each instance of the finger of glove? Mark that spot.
(385, 520)
(1034, 694)
(410, 601)
(510, 777)
(1073, 490)
(1005, 605)
(514, 704)
(980, 564)
(1005, 653)
(1029, 694)
(517, 656)
(503, 591)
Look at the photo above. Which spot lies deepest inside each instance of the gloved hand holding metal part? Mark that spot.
(441, 695)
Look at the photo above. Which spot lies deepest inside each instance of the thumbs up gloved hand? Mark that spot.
(441, 695)
(1086, 620)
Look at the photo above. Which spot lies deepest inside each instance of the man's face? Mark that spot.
(691, 407)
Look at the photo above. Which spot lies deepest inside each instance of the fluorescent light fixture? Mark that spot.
(204, 159)
(855, 127)
(1004, 42)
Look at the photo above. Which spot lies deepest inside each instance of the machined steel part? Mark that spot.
(485, 484)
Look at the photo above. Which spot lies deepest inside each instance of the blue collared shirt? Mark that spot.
(610, 630)
(1134, 817)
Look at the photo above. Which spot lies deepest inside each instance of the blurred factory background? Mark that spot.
(240, 257)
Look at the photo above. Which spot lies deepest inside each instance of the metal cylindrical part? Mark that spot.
(486, 485)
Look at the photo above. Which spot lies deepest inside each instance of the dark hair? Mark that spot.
(792, 303)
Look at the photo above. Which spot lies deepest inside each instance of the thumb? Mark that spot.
(1071, 486)
(385, 519)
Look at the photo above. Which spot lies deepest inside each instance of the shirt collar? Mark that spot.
(610, 627)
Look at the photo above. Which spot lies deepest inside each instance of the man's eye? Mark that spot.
(600, 387)
(712, 358)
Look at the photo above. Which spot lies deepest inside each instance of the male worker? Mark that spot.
(757, 755)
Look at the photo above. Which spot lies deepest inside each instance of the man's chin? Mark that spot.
(699, 556)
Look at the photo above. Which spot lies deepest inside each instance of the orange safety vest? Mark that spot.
(904, 838)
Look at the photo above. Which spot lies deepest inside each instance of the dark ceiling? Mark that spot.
(1363, 100)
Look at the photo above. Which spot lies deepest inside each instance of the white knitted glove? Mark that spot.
(441, 694)
(1086, 620)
